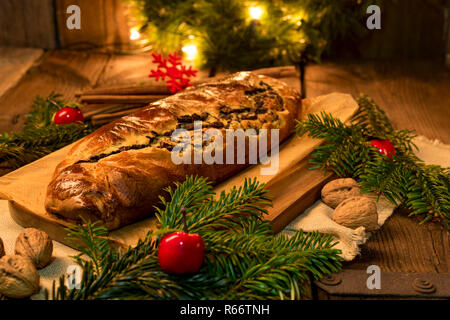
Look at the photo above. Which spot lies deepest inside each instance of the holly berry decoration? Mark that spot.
(173, 69)
(68, 115)
(181, 252)
(384, 147)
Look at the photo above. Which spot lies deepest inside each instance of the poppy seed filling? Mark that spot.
(227, 114)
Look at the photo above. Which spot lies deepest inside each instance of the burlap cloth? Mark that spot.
(317, 217)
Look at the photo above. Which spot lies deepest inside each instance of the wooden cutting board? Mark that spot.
(293, 188)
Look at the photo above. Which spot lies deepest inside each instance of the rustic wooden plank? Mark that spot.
(403, 245)
(14, 63)
(414, 94)
(103, 22)
(27, 23)
(61, 71)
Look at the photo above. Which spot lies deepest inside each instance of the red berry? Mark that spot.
(384, 147)
(181, 253)
(68, 115)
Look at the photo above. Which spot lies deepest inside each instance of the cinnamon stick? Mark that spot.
(125, 99)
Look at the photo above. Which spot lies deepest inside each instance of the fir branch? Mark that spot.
(323, 126)
(344, 150)
(95, 243)
(227, 38)
(408, 181)
(372, 118)
(248, 262)
(404, 180)
(376, 124)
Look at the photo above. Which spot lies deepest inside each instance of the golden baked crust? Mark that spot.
(116, 174)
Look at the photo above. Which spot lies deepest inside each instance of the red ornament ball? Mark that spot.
(68, 115)
(181, 253)
(384, 147)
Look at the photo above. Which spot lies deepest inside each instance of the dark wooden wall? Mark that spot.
(410, 28)
(103, 22)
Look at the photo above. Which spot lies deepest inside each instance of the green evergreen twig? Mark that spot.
(244, 260)
(404, 180)
(40, 136)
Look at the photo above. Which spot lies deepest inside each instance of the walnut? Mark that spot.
(35, 245)
(355, 212)
(2, 248)
(336, 191)
(18, 277)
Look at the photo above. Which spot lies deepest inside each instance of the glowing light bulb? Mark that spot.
(190, 51)
(134, 34)
(255, 12)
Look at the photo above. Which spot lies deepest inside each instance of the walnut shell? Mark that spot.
(35, 245)
(336, 191)
(18, 277)
(355, 212)
(2, 248)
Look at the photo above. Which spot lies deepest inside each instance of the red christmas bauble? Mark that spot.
(68, 115)
(384, 147)
(181, 253)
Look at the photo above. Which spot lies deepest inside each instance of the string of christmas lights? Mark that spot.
(243, 35)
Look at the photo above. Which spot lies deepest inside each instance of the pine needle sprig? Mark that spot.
(40, 136)
(43, 109)
(233, 210)
(409, 182)
(323, 126)
(404, 180)
(372, 118)
(202, 210)
(227, 39)
(244, 259)
(187, 195)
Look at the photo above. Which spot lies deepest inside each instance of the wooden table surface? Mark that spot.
(414, 94)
